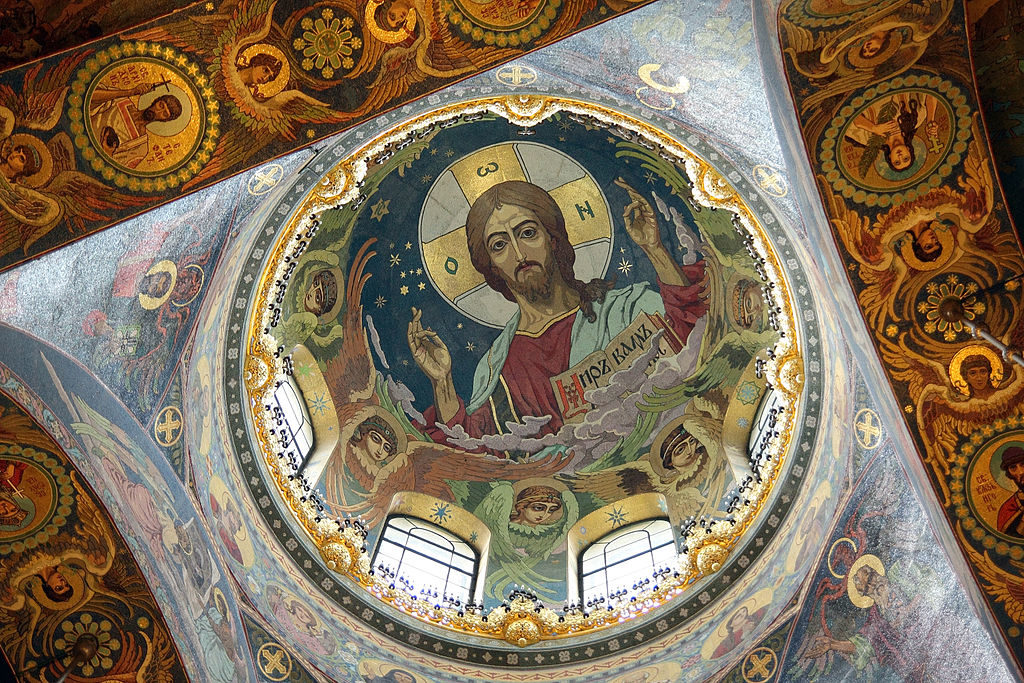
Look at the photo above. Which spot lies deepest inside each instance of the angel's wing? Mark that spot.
(1003, 586)
(39, 102)
(92, 532)
(25, 213)
(83, 200)
(616, 483)
(351, 375)
(196, 33)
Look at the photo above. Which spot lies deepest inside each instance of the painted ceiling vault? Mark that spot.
(282, 281)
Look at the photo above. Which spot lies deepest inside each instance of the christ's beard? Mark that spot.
(535, 286)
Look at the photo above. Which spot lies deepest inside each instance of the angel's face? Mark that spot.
(873, 44)
(397, 13)
(685, 454)
(539, 513)
(928, 241)
(378, 446)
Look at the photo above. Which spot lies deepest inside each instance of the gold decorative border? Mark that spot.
(522, 621)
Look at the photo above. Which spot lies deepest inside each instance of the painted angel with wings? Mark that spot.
(412, 40)
(976, 391)
(881, 45)
(529, 521)
(907, 244)
(253, 74)
(42, 588)
(40, 186)
(374, 458)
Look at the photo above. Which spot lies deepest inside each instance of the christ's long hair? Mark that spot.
(536, 199)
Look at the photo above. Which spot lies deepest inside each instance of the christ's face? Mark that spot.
(520, 249)
(161, 112)
(262, 74)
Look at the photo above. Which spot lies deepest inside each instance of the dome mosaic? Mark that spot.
(528, 325)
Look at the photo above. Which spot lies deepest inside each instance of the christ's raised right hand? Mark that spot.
(429, 352)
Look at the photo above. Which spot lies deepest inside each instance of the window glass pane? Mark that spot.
(428, 556)
(296, 430)
(626, 556)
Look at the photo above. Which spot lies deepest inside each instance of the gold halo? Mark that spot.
(856, 597)
(218, 600)
(956, 376)
(906, 243)
(45, 159)
(265, 91)
(649, 105)
(151, 303)
(202, 279)
(828, 559)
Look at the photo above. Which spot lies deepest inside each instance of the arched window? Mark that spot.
(292, 422)
(428, 556)
(621, 558)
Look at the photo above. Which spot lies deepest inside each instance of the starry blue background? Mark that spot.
(398, 250)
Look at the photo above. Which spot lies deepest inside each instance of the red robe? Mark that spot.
(533, 359)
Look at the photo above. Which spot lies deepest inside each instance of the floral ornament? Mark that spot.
(938, 292)
(108, 644)
(327, 43)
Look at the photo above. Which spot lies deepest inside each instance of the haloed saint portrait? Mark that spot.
(527, 328)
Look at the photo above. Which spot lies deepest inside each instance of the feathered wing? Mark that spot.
(195, 33)
(262, 120)
(24, 213)
(427, 49)
(17, 428)
(1001, 585)
(616, 483)
(94, 537)
(39, 103)
(351, 375)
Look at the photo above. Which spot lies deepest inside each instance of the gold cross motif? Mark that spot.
(868, 427)
(168, 426)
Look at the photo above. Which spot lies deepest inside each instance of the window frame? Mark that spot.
(474, 555)
(612, 536)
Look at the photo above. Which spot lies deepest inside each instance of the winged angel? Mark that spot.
(40, 186)
(251, 71)
(881, 45)
(905, 245)
(374, 458)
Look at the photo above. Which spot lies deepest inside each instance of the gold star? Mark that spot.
(402, 275)
(433, 152)
(470, 346)
(380, 209)
(404, 289)
(421, 286)
(408, 245)
(395, 260)
(459, 326)
(419, 271)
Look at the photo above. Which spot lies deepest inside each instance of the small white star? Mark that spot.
(470, 346)
(625, 266)
(408, 245)
(395, 260)
(381, 301)
(459, 326)
(419, 271)
(402, 274)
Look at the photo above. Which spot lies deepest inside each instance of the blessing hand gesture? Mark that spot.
(641, 223)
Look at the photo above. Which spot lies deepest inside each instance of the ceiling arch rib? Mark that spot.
(897, 145)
